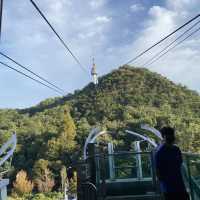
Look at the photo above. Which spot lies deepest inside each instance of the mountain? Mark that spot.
(120, 89)
(124, 98)
(131, 96)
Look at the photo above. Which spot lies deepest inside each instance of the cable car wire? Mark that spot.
(163, 39)
(12, 68)
(1, 15)
(157, 54)
(58, 36)
(190, 35)
(25, 68)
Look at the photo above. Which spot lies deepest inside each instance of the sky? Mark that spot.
(112, 31)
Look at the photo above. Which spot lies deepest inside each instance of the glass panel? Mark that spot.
(124, 166)
(195, 168)
(146, 166)
(192, 178)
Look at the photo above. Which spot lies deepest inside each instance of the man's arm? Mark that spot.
(158, 165)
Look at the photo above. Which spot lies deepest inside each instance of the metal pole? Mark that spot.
(138, 159)
(111, 161)
(104, 176)
(190, 178)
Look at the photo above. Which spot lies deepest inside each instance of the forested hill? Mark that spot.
(129, 95)
(126, 86)
(54, 131)
(124, 96)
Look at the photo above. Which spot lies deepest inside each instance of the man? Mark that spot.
(168, 161)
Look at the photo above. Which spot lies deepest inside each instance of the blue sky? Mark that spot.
(112, 30)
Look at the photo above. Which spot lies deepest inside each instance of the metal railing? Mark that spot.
(124, 169)
(132, 167)
(191, 171)
(124, 165)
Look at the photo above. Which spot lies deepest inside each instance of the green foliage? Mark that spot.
(43, 177)
(47, 196)
(39, 168)
(55, 130)
(40, 196)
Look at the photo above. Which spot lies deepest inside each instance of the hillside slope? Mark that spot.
(124, 98)
(126, 86)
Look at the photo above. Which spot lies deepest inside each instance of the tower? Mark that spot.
(94, 73)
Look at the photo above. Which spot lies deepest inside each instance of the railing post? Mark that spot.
(138, 160)
(3, 188)
(103, 187)
(92, 162)
(189, 177)
(111, 161)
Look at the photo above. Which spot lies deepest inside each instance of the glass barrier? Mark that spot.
(192, 173)
(130, 167)
(124, 165)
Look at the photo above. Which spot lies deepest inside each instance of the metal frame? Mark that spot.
(96, 132)
(153, 130)
(11, 143)
(111, 160)
(148, 139)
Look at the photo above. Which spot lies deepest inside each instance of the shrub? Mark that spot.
(22, 185)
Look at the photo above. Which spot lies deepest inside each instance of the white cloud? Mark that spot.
(161, 21)
(96, 4)
(103, 19)
(180, 65)
(95, 21)
(181, 4)
(137, 7)
(87, 35)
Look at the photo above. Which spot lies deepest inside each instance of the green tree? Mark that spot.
(43, 177)
(67, 131)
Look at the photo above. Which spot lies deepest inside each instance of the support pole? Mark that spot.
(190, 177)
(138, 159)
(111, 161)
(92, 162)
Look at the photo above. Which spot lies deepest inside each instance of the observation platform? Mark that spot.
(105, 174)
(130, 176)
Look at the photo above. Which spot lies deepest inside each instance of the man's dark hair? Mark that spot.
(168, 133)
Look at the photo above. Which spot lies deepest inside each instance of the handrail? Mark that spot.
(196, 186)
(193, 185)
(191, 171)
(103, 155)
(191, 154)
